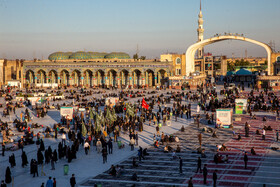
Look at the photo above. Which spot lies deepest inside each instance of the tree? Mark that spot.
(143, 57)
(230, 66)
(135, 57)
(242, 62)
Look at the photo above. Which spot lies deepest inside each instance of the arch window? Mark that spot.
(278, 59)
(178, 60)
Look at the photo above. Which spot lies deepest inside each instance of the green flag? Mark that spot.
(84, 130)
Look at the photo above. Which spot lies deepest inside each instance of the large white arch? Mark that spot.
(190, 67)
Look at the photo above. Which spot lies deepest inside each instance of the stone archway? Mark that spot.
(124, 78)
(30, 77)
(136, 78)
(161, 75)
(41, 77)
(53, 77)
(150, 78)
(190, 53)
(112, 78)
(64, 77)
(87, 78)
(76, 78)
(100, 78)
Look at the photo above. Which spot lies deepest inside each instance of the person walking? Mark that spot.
(136, 139)
(24, 159)
(277, 136)
(205, 172)
(63, 139)
(8, 176)
(198, 165)
(263, 134)
(86, 146)
(35, 168)
(180, 165)
(215, 177)
(49, 182)
(3, 184)
(190, 183)
(200, 139)
(245, 160)
(52, 161)
(104, 155)
(73, 180)
(132, 142)
(110, 146)
(54, 182)
(197, 120)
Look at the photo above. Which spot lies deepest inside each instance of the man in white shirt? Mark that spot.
(263, 134)
(63, 139)
(86, 146)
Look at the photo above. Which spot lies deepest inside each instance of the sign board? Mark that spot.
(35, 100)
(224, 117)
(67, 112)
(111, 101)
(240, 106)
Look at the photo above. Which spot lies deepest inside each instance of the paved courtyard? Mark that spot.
(159, 169)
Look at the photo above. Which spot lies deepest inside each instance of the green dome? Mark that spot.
(117, 55)
(80, 55)
(58, 56)
(96, 55)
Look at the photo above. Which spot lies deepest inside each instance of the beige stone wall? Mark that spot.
(166, 57)
(9, 68)
(181, 66)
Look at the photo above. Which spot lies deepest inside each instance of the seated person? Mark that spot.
(269, 128)
(178, 149)
(239, 137)
(203, 155)
(224, 148)
(156, 144)
(253, 152)
(258, 132)
(176, 139)
(169, 148)
(119, 170)
(174, 155)
(134, 177)
(226, 159)
(219, 147)
(220, 159)
(182, 129)
(134, 164)
(113, 171)
(145, 152)
(214, 135)
(216, 158)
(165, 150)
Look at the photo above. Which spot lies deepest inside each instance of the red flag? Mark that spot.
(144, 104)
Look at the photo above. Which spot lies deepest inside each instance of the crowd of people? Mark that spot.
(100, 125)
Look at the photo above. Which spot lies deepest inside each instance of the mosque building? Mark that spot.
(94, 69)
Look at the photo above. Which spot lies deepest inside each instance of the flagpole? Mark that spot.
(142, 113)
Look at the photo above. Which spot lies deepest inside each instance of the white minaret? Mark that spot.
(200, 32)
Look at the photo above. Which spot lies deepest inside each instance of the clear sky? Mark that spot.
(36, 28)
